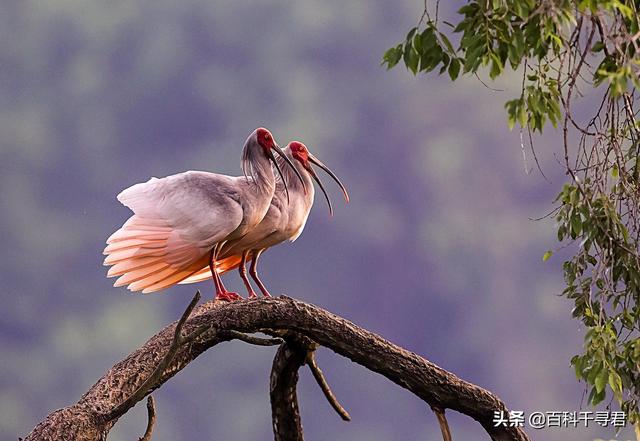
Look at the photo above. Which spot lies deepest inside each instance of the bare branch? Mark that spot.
(151, 419)
(326, 390)
(84, 421)
(145, 387)
(442, 421)
(285, 414)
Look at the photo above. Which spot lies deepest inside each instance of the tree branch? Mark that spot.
(285, 414)
(434, 385)
(151, 421)
(142, 390)
(444, 425)
(324, 386)
(297, 351)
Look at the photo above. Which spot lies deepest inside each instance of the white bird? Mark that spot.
(180, 222)
(284, 221)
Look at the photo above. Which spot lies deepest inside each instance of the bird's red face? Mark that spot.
(299, 152)
(265, 139)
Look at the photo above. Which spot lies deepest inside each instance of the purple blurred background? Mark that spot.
(436, 252)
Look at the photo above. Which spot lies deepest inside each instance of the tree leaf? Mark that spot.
(411, 58)
(454, 69)
(392, 56)
(601, 380)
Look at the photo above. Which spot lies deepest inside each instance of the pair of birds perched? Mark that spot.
(195, 225)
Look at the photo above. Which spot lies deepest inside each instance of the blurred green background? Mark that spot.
(436, 252)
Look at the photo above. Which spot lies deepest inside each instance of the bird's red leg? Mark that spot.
(243, 275)
(221, 291)
(254, 273)
(214, 274)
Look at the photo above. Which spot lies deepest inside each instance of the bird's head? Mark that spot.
(301, 154)
(266, 141)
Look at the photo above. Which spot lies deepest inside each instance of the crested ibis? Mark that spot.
(283, 221)
(181, 222)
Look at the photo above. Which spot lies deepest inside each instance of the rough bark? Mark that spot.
(285, 414)
(212, 321)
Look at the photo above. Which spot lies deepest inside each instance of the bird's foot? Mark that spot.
(228, 296)
(252, 295)
(266, 294)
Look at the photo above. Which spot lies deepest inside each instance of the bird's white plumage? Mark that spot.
(174, 226)
(180, 218)
(285, 220)
(200, 207)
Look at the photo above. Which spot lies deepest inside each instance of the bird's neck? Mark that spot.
(291, 178)
(257, 166)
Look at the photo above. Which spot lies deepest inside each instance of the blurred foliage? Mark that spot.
(564, 50)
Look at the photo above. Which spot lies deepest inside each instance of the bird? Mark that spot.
(282, 222)
(181, 222)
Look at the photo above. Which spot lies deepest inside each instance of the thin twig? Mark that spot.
(322, 382)
(444, 425)
(549, 214)
(177, 341)
(486, 85)
(535, 156)
(425, 13)
(151, 420)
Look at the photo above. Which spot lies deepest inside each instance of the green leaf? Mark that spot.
(410, 34)
(576, 361)
(392, 56)
(514, 108)
(447, 43)
(428, 41)
(454, 69)
(411, 58)
(624, 10)
(615, 382)
(547, 255)
(596, 397)
(595, 370)
(496, 66)
(601, 380)
(562, 231)
(576, 226)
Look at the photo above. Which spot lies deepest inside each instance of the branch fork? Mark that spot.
(299, 329)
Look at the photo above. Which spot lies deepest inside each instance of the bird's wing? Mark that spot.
(199, 276)
(177, 221)
(266, 234)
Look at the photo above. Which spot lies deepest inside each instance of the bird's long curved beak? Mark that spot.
(319, 163)
(317, 179)
(283, 155)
